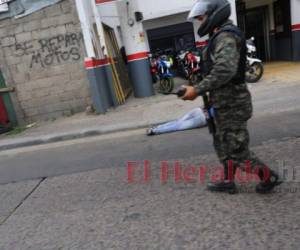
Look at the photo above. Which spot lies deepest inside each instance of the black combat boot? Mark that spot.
(266, 186)
(227, 185)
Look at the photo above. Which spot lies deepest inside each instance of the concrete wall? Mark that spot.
(42, 56)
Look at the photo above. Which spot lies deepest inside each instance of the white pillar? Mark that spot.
(295, 14)
(137, 49)
(97, 66)
(295, 21)
(101, 42)
(133, 34)
(84, 10)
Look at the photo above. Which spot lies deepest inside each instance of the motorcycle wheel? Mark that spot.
(183, 73)
(193, 79)
(154, 79)
(186, 74)
(254, 72)
(166, 85)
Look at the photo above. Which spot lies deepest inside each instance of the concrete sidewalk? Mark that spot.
(134, 114)
(140, 113)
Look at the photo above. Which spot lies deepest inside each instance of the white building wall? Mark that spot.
(158, 8)
(165, 21)
(110, 16)
(115, 14)
(134, 36)
(109, 13)
(295, 11)
(172, 12)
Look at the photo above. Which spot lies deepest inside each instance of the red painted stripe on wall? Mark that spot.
(201, 43)
(137, 56)
(93, 62)
(103, 1)
(296, 27)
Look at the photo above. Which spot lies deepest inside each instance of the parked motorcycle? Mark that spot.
(193, 67)
(166, 81)
(182, 68)
(153, 68)
(254, 66)
(188, 65)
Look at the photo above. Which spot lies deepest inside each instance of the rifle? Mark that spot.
(209, 118)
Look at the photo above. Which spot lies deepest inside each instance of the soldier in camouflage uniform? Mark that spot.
(224, 79)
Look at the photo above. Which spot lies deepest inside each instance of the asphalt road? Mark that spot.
(276, 116)
(98, 209)
(116, 150)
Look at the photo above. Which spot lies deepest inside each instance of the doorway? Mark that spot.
(257, 26)
(122, 84)
(172, 38)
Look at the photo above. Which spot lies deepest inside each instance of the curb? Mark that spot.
(71, 136)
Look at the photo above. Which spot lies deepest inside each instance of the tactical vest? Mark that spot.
(206, 65)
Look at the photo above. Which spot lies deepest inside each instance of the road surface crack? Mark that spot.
(22, 201)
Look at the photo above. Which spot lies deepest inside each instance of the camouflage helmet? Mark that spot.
(217, 11)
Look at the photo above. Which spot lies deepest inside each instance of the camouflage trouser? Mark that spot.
(231, 143)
